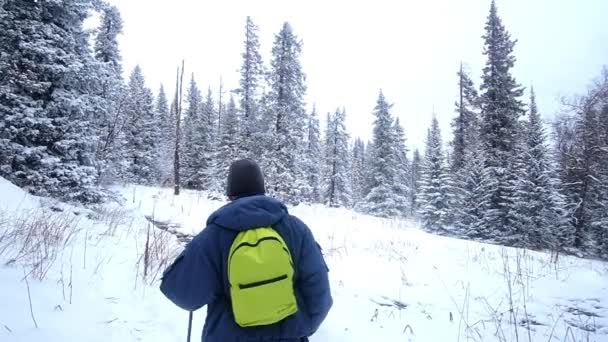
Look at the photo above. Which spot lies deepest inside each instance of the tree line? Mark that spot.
(71, 124)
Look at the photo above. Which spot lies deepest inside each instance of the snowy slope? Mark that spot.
(390, 281)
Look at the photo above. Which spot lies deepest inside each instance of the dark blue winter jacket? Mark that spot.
(198, 277)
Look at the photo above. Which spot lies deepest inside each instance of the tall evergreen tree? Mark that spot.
(167, 135)
(193, 148)
(466, 123)
(501, 108)
(582, 158)
(252, 71)
(227, 148)
(49, 93)
(358, 171)
(382, 200)
(312, 158)
(286, 108)
(143, 132)
(402, 177)
(414, 182)
(539, 205)
(434, 199)
(471, 198)
(110, 119)
(337, 190)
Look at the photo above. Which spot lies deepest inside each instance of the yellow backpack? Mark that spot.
(260, 273)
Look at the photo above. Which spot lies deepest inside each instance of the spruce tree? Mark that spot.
(49, 94)
(110, 120)
(582, 166)
(252, 71)
(284, 169)
(337, 190)
(414, 182)
(402, 169)
(500, 108)
(193, 151)
(166, 136)
(471, 196)
(358, 171)
(206, 134)
(142, 132)
(435, 200)
(539, 203)
(227, 149)
(466, 123)
(382, 200)
(312, 158)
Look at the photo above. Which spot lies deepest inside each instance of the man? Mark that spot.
(200, 275)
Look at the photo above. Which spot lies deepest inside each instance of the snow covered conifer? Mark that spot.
(402, 169)
(313, 158)
(414, 182)
(434, 200)
(358, 172)
(381, 199)
(194, 149)
(110, 119)
(538, 201)
(252, 71)
(501, 109)
(227, 149)
(142, 132)
(49, 93)
(466, 123)
(286, 111)
(337, 190)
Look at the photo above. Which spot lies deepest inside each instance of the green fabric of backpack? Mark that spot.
(260, 273)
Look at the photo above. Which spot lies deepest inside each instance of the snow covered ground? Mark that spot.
(390, 280)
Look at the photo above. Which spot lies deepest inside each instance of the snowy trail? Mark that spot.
(390, 281)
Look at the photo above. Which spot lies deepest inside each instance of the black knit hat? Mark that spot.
(245, 179)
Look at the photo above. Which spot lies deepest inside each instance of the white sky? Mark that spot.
(410, 49)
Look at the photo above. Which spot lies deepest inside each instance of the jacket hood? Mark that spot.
(249, 212)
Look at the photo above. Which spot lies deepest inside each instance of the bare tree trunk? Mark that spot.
(178, 117)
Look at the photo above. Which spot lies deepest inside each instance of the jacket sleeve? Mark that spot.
(313, 279)
(193, 280)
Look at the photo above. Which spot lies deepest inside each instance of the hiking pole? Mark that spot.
(189, 326)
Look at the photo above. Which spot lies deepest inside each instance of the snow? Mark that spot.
(390, 280)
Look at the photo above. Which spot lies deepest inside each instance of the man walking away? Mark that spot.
(258, 269)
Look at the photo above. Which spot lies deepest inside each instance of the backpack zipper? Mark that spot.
(262, 282)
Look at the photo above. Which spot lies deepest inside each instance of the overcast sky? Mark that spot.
(410, 49)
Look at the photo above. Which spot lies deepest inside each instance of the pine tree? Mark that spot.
(402, 168)
(167, 136)
(382, 200)
(208, 168)
(227, 148)
(582, 162)
(539, 205)
(193, 148)
(110, 121)
(337, 190)
(471, 194)
(252, 71)
(466, 123)
(358, 171)
(434, 199)
(312, 158)
(501, 109)
(142, 133)
(49, 93)
(286, 108)
(414, 182)
(602, 231)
